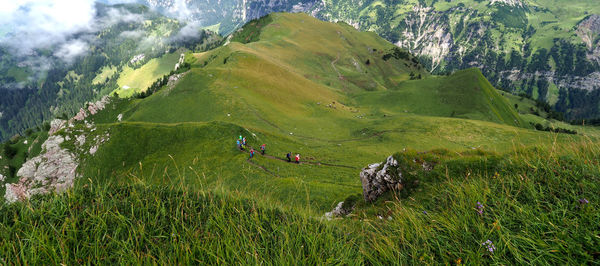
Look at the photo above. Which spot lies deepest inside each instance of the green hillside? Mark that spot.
(170, 186)
(137, 80)
(446, 96)
(537, 47)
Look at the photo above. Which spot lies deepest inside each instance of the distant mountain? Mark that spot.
(547, 49)
(225, 16)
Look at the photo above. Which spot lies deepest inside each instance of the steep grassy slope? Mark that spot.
(293, 89)
(528, 214)
(137, 80)
(447, 96)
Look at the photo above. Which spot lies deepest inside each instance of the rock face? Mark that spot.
(53, 170)
(427, 33)
(588, 29)
(378, 178)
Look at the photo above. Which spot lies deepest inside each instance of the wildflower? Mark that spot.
(583, 201)
(479, 208)
(489, 246)
(425, 212)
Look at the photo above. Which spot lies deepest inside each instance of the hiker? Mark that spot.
(242, 147)
(244, 141)
(251, 153)
(262, 149)
(240, 137)
(289, 157)
(239, 144)
(297, 158)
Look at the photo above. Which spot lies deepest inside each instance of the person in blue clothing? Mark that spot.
(244, 141)
(262, 149)
(239, 144)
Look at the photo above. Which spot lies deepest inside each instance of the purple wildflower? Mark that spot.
(479, 208)
(425, 212)
(489, 246)
(583, 201)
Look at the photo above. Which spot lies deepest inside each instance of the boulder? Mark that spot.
(378, 178)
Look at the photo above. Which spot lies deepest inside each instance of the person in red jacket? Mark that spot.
(297, 158)
(251, 153)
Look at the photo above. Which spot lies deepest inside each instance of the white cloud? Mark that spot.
(70, 50)
(68, 28)
(180, 8)
(65, 26)
(43, 23)
(132, 34)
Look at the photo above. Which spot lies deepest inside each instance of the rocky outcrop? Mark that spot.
(93, 108)
(53, 170)
(56, 125)
(401, 172)
(180, 62)
(378, 178)
(339, 211)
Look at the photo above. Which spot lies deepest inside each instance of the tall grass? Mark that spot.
(165, 225)
(531, 212)
(539, 207)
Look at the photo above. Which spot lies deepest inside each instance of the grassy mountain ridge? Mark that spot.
(302, 104)
(545, 48)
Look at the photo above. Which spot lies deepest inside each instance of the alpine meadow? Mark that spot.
(290, 139)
